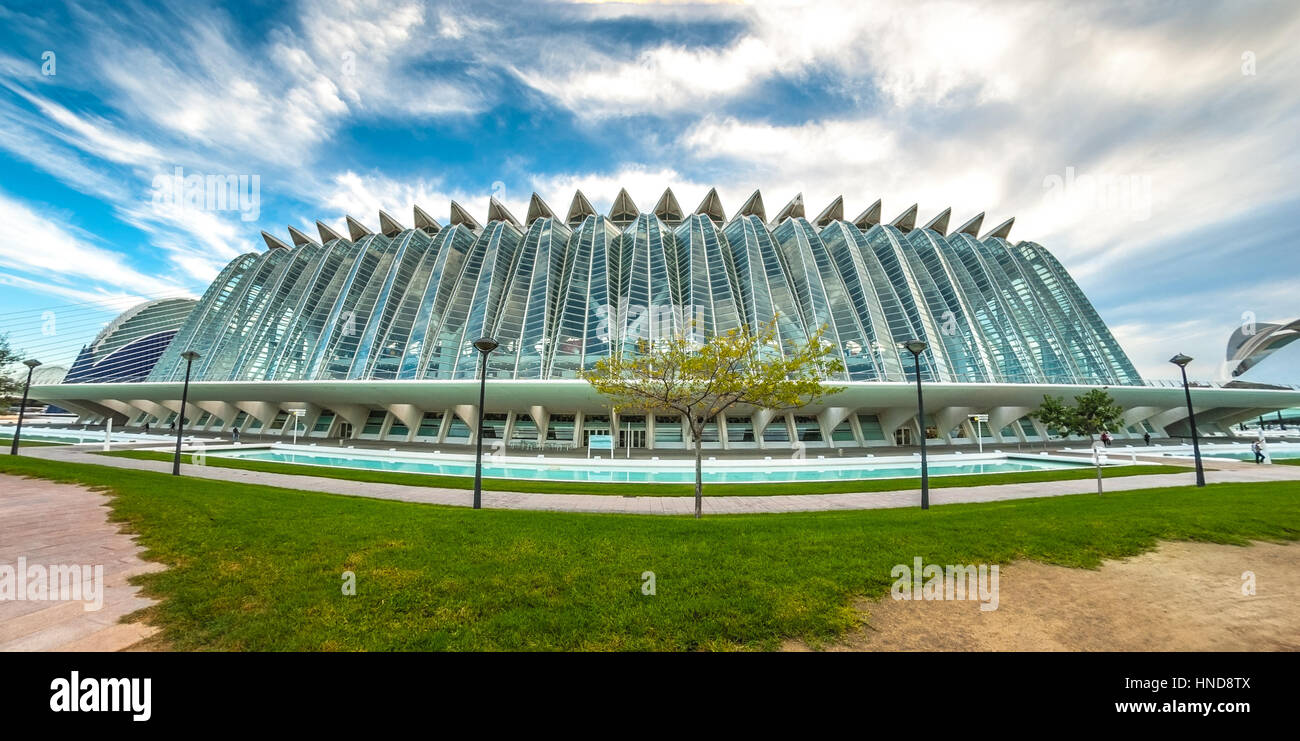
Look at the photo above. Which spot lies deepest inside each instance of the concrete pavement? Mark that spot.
(65, 526)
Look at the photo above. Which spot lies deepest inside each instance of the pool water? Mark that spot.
(576, 471)
(1249, 456)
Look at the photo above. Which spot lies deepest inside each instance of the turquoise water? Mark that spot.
(654, 476)
(54, 435)
(1249, 456)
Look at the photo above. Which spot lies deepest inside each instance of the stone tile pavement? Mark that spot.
(51, 524)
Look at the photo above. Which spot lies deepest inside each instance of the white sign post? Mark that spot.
(108, 434)
(979, 429)
(297, 419)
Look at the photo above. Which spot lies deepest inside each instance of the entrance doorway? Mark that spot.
(903, 436)
(631, 438)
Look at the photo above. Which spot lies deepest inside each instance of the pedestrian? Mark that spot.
(1105, 438)
(146, 428)
(1258, 450)
(234, 434)
(1146, 439)
(171, 426)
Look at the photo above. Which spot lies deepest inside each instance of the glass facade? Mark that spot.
(558, 294)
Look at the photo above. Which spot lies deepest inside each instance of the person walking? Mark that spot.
(1146, 439)
(1258, 450)
(146, 428)
(1105, 438)
(234, 435)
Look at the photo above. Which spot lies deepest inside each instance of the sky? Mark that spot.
(1152, 147)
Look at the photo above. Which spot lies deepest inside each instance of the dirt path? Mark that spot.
(1180, 597)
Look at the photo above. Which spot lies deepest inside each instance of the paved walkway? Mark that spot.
(1230, 471)
(50, 524)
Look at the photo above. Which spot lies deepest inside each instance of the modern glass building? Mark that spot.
(370, 333)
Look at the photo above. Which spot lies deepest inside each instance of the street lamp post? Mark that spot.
(484, 345)
(31, 366)
(916, 347)
(1181, 361)
(190, 356)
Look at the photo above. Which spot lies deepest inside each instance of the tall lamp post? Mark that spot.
(1181, 361)
(916, 347)
(31, 366)
(190, 356)
(484, 345)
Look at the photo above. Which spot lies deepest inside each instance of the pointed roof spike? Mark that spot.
(272, 243)
(791, 210)
(869, 217)
(833, 212)
(388, 226)
(356, 229)
(497, 211)
(940, 222)
(537, 209)
(668, 209)
(579, 209)
(623, 211)
(711, 207)
(971, 227)
(327, 234)
(753, 206)
(300, 240)
(460, 216)
(906, 221)
(426, 222)
(1001, 231)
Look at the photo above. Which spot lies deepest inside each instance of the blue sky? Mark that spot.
(1151, 146)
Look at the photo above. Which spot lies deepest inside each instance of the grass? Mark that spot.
(533, 486)
(260, 568)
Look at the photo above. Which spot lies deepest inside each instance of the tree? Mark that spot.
(741, 367)
(10, 386)
(1092, 413)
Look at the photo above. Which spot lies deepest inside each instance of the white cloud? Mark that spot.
(33, 244)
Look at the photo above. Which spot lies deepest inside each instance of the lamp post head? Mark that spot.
(190, 356)
(1180, 360)
(31, 362)
(486, 345)
(916, 347)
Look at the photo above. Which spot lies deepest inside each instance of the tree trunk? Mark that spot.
(699, 477)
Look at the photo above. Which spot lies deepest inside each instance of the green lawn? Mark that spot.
(260, 568)
(658, 490)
